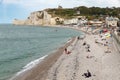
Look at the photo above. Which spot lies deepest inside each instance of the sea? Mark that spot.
(21, 47)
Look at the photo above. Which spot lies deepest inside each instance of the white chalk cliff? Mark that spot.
(38, 18)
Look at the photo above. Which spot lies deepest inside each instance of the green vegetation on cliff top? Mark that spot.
(90, 13)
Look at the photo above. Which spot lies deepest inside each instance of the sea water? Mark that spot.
(20, 45)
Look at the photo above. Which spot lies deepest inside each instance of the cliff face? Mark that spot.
(17, 22)
(37, 18)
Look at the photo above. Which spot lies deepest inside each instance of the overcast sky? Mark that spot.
(20, 9)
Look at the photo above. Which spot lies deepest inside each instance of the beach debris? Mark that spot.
(87, 75)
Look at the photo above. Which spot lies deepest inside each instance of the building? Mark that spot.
(72, 21)
(95, 22)
(111, 21)
(79, 20)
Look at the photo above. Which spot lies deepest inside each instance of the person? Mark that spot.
(88, 45)
(84, 43)
(78, 37)
(66, 50)
(106, 44)
(88, 50)
(87, 75)
(96, 41)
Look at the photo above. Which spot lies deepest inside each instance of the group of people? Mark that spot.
(87, 46)
(87, 75)
(103, 41)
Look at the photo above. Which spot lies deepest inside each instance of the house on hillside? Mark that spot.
(82, 21)
(111, 21)
(95, 22)
(72, 21)
(79, 21)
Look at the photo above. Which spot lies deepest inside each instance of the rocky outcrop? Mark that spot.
(38, 18)
(16, 21)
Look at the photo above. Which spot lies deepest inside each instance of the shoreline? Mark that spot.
(25, 73)
(60, 66)
(43, 66)
(59, 26)
(101, 62)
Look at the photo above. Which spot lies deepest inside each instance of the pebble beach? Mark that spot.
(90, 58)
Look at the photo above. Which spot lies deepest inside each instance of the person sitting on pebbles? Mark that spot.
(66, 51)
(108, 50)
(84, 43)
(87, 75)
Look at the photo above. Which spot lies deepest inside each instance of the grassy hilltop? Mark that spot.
(89, 12)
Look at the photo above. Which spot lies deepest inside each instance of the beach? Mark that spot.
(22, 47)
(60, 40)
(102, 65)
(90, 58)
(39, 71)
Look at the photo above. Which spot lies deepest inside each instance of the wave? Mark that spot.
(31, 65)
(69, 40)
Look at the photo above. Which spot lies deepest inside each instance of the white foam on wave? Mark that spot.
(69, 40)
(31, 65)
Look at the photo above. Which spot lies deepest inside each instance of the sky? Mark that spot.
(21, 9)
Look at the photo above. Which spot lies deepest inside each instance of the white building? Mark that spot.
(71, 21)
(82, 22)
(95, 23)
(111, 21)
